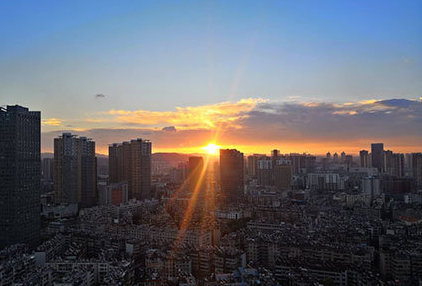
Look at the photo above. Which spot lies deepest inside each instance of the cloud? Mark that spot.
(52, 122)
(169, 128)
(191, 117)
(256, 125)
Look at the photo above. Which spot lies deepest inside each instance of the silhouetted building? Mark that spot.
(304, 163)
(252, 165)
(131, 162)
(364, 158)
(393, 164)
(265, 171)
(417, 169)
(275, 171)
(283, 174)
(20, 173)
(231, 174)
(75, 170)
(195, 170)
(47, 168)
(377, 154)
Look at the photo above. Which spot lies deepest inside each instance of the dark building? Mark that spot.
(417, 169)
(195, 168)
(231, 174)
(265, 171)
(20, 175)
(131, 162)
(377, 154)
(364, 158)
(304, 163)
(75, 170)
(47, 168)
(393, 164)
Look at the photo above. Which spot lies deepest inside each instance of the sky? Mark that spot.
(300, 76)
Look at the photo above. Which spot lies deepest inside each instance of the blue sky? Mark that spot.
(156, 55)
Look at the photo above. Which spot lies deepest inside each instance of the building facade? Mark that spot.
(131, 162)
(377, 155)
(75, 170)
(20, 172)
(231, 174)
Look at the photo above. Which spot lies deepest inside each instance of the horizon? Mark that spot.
(251, 77)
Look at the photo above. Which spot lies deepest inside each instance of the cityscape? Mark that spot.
(138, 218)
(184, 143)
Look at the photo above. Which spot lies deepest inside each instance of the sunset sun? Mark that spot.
(211, 149)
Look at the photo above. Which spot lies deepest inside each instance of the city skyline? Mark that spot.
(258, 125)
(187, 143)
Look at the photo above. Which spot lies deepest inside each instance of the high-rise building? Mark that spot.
(276, 172)
(47, 168)
(377, 154)
(303, 163)
(75, 170)
(393, 164)
(364, 158)
(231, 174)
(252, 165)
(131, 162)
(417, 169)
(265, 171)
(282, 174)
(195, 168)
(20, 173)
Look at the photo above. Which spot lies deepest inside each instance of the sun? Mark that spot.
(211, 149)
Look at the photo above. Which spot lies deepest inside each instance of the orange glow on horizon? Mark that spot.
(315, 148)
(211, 149)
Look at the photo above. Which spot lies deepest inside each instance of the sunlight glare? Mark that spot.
(211, 149)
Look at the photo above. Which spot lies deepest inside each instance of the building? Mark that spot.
(371, 187)
(417, 169)
(394, 164)
(275, 171)
(304, 163)
(377, 155)
(47, 168)
(253, 165)
(195, 171)
(114, 193)
(231, 174)
(325, 181)
(364, 158)
(283, 175)
(131, 162)
(265, 171)
(20, 173)
(75, 170)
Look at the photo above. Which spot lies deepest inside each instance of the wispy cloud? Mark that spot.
(191, 117)
(52, 122)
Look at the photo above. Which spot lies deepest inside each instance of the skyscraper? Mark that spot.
(47, 168)
(195, 167)
(364, 158)
(417, 169)
(377, 154)
(131, 162)
(19, 175)
(231, 174)
(75, 170)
